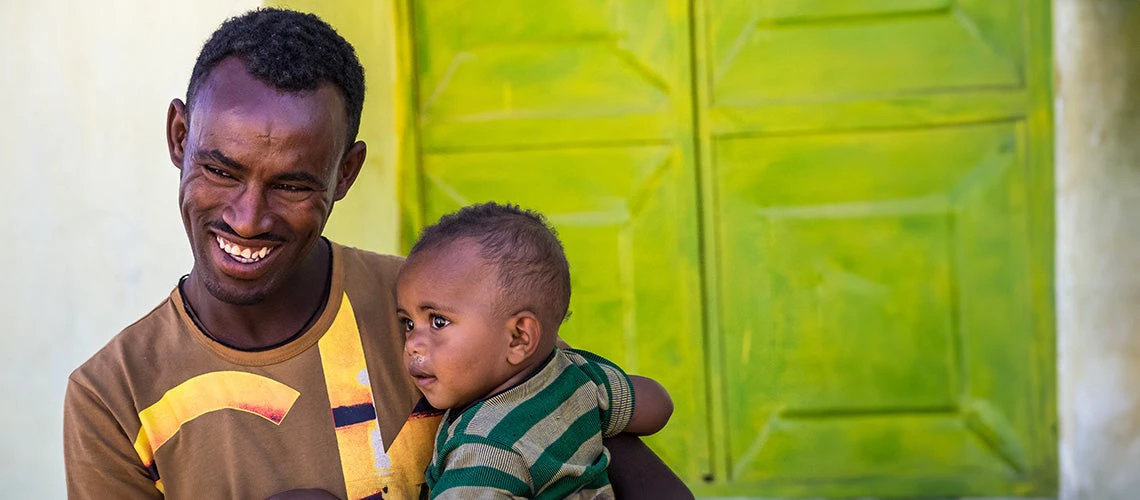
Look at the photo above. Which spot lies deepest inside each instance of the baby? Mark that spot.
(481, 298)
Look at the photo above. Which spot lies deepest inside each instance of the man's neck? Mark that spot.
(278, 318)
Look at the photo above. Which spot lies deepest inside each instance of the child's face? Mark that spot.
(454, 346)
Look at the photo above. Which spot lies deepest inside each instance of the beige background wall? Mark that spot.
(1097, 45)
(88, 197)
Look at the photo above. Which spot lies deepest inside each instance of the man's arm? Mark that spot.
(636, 472)
(100, 459)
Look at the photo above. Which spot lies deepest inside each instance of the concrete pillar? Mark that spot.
(1097, 50)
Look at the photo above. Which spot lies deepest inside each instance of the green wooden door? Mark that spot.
(879, 211)
(825, 226)
(581, 109)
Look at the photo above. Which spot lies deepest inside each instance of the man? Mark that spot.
(276, 364)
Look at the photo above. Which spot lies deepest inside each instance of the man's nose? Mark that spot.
(247, 213)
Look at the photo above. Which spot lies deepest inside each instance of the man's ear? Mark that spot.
(526, 335)
(349, 169)
(177, 128)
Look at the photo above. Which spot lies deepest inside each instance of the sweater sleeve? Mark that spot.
(617, 399)
(483, 470)
(99, 457)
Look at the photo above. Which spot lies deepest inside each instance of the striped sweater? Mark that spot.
(539, 439)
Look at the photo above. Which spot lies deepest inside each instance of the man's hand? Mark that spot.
(636, 472)
(304, 495)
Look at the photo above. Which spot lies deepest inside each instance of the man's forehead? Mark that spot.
(230, 88)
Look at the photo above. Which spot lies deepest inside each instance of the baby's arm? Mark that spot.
(483, 469)
(652, 406)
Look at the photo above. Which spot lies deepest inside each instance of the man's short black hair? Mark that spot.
(532, 267)
(289, 51)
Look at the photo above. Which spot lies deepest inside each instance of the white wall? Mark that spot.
(88, 197)
(1098, 246)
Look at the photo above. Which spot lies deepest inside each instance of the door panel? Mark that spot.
(504, 72)
(582, 110)
(880, 309)
(626, 219)
(806, 50)
(872, 216)
(773, 65)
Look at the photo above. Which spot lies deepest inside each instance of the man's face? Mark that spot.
(260, 172)
(455, 347)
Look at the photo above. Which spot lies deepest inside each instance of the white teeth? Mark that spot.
(242, 254)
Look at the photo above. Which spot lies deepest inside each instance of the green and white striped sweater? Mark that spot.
(539, 439)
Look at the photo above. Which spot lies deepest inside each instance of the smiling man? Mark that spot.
(276, 363)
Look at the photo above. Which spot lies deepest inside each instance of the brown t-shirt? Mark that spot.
(163, 409)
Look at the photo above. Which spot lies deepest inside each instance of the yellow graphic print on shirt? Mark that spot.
(369, 471)
(362, 455)
(227, 390)
(411, 453)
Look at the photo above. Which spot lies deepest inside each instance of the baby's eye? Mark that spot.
(438, 322)
(407, 322)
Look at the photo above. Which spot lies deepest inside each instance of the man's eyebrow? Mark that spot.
(220, 157)
(303, 177)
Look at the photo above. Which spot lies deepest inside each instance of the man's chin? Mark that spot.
(234, 296)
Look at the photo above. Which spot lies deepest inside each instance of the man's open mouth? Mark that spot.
(245, 255)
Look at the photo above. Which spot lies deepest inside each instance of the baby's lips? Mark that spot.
(413, 368)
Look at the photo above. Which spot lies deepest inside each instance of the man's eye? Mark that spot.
(217, 172)
(438, 322)
(408, 326)
(292, 187)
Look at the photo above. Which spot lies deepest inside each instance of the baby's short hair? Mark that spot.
(532, 269)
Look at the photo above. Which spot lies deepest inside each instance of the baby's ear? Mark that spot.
(526, 335)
